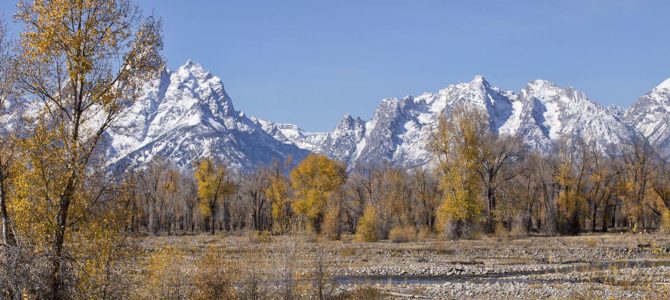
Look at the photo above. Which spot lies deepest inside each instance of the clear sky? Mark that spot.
(310, 61)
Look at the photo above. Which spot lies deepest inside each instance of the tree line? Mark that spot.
(479, 183)
(65, 216)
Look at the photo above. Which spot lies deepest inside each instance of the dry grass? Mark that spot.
(260, 256)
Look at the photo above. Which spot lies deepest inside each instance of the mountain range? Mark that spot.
(186, 114)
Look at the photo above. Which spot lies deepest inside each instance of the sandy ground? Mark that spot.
(586, 266)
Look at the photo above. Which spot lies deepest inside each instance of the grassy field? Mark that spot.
(588, 266)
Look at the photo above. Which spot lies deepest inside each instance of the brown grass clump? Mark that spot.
(166, 276)
(257, 237)
(362, 292)
(425, 233)
(403, 234)
(214, 279)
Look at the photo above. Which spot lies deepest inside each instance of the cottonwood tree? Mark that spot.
(457, 146)
(571, 179)
(253, 187)
(427, 195)
(497, 155)
(313, 181)
(637, 167)
(278, 192)
(601, 184)
(85, 61)
(157, 186)
(661, 187)
(213, 187)
(7, 145)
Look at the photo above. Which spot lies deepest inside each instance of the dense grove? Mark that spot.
(66, 216)
(480, 184)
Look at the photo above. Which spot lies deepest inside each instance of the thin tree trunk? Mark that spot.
(59, 238)
(7, 234)
(212, 218)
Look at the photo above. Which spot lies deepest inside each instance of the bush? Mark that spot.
(403, 234)
(166, 277)
(665, 221)
(214, 279)
(256, 237)
(367, 229)
(331, 228)
(425, 233)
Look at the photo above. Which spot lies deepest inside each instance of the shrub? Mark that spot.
(256, 237)
(402, 234)
(665, 221)
(367, 229)
(166, 277)
(332, 229)
(214, 279)
(425, 233)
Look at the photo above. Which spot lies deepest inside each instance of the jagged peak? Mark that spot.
(191, 64)
(480, 80)
(193, 69)
(346, 121)
(547, 88)
(541, 83)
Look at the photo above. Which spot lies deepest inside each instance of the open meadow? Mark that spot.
(586, 266)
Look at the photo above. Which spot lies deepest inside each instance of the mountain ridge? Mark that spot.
(186, 114)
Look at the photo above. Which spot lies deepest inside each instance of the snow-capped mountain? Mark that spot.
(651, 116)
(399, 132)
(186, 115)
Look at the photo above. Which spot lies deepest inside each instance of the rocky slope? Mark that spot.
(542, 113)
(651, 116)
(186, 115)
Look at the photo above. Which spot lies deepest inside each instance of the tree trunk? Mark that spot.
(7, 234)
(212, 218)
(490, 220)
(59, 238)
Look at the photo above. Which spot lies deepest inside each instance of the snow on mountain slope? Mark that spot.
(551, 113)
(186, 115)
(400, 130)
(651, 116)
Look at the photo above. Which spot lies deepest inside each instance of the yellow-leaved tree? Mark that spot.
(278, 193)
(7, 146)
(457, 146)
(213, 187)
(313, 182)
(83, 62)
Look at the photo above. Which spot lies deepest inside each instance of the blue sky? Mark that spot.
(310, 61)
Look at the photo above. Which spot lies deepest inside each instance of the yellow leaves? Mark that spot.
(367, 229)
(458, 144)
(213, 185)
(277, 193)
(166, 276)
(313, 181)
